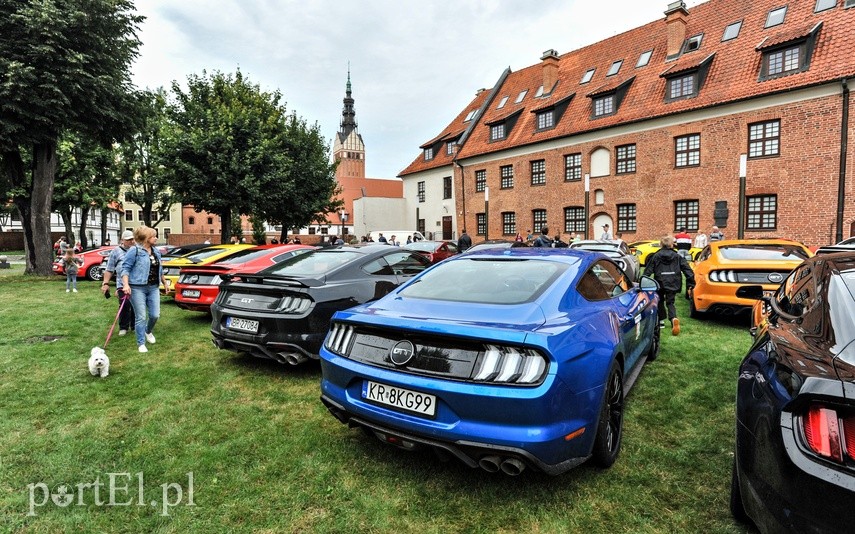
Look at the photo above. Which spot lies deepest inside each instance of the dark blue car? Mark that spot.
(504, 359)
(794, 462)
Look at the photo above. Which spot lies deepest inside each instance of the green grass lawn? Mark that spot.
(266, 456)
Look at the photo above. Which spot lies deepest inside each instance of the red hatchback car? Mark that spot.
(435, 251)
(91, 268)
(198, 287)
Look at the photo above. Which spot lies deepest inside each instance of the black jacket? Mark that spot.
(542, 241)
(666, 266)
(464, 242)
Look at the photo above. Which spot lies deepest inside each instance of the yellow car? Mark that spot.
(643, 249)
(202, 256)
(723, 267)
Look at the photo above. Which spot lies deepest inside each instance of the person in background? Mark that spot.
(716, 234)
(114, 264)
(574, 237)
(142, 273)
(666, 266)
(78, 247)
(71, 263)
(464, 242)
(518, 238)
(274, 241)
(394, 241)
(63, 245)
(297, 240)
(619, 237)
(107, 242)
(529, 237)
(543, 239)
(557, 243)
(607, 233)
(683, 241)
(338, 240)
(409, 240)
(381, 239)
(701, 240)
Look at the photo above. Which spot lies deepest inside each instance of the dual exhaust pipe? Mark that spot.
(494, 464)
(291, 358)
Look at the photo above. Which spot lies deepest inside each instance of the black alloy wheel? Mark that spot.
(610, 428)
(653, 351)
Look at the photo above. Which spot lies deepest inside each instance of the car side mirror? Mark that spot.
(648, 284)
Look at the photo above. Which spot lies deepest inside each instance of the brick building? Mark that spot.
(731, 113)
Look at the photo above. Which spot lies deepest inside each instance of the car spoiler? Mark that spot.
(272, 279)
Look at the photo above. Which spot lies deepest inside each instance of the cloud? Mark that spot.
(414, 64)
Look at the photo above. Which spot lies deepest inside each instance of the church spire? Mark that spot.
(348, 113)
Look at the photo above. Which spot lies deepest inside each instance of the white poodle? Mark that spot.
(99, 363)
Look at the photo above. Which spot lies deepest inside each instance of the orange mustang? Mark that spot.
(723, 267)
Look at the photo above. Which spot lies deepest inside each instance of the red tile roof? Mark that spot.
(733, 73)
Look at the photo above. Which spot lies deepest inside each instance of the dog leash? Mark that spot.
(110, 333)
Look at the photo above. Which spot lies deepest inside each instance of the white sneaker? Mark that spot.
(68, 291)
(142, 348)
(150, 338)
(122, 332)
(75, 290)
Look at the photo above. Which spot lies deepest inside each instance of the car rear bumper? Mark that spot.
(713, 296)
(472, 421)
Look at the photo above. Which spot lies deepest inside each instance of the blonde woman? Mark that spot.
(142, 274)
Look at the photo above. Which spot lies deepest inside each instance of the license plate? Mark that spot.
(191, 293)
(400, 398)
(246, 325)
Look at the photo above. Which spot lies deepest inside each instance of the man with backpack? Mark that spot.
(543, 239)
(666, 266)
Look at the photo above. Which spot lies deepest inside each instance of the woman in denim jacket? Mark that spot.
(142, 273)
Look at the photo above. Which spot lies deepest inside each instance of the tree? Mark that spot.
(142, 160)
(64, 65)
(305, 192)
(85, 179)
(236, 151)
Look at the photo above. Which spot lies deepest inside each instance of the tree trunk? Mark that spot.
(84, 215)
(226, 228)
(69, 228)
(37, 239)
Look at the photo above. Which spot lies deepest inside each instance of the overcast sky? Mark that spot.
(414, 64)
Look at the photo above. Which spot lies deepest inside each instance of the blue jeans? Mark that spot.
(145, 299)
(70, 281)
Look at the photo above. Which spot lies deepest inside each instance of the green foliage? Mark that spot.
(142, 159)
(64, 66)
(85, 179)
(268, 457)
(258, 235)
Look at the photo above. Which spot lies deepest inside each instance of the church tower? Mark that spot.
(348, 148)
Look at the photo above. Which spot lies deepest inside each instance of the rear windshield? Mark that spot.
(245, 255)
(763, 252)
(204, 254)
(487, 281)
(421, 246)
(314, 263)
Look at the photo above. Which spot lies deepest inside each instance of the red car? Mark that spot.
(91, 268)
(198, 287)
(435, 251)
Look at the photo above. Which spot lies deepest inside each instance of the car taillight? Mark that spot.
(508, 365)
(723, 276)
(829, 433)
(338, 338)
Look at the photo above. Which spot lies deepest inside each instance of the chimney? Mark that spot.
(550, 70)
(675, 20)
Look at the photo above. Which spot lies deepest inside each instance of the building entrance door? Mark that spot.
(446, 228)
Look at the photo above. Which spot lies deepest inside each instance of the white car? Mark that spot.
(617, 250)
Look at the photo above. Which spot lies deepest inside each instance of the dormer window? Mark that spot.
(502, 102)
(788, 54)
(539, 92)
(588, 75)
(615, 68)
(607, 99)
(500, 128)
(471, 115)
(521, 96)
(449, 147)
(545, 120)
(685, 80)
(644, 59)
(497, 131)
(693, 43)
(732, 31)
(604, 105)
(428, 154)
(775, 17)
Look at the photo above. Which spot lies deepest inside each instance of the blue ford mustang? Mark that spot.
(504, 358)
